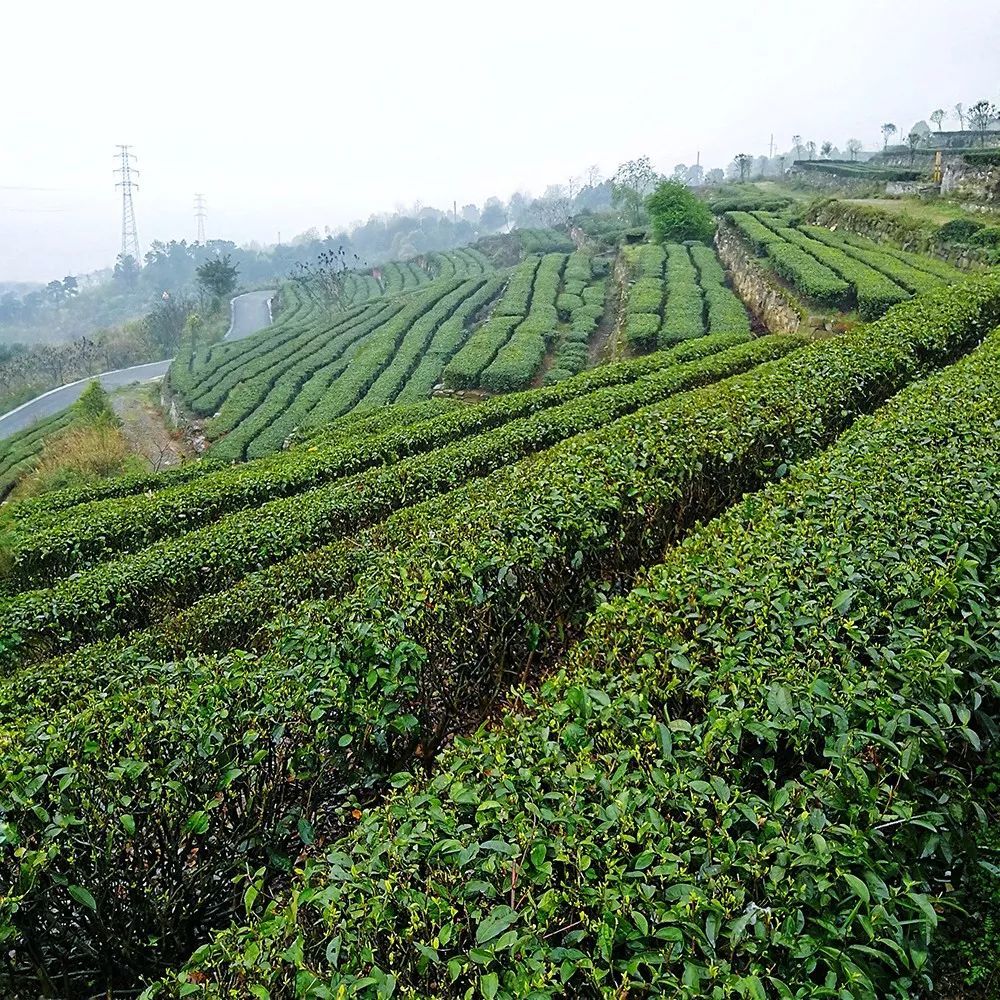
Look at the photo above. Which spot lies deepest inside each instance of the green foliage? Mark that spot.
(641, 330)
(677, 215)
(542, 241)
(683, 315)
(751, 742)
(94, 406)
(218, 276)
(959, 230)
(284, 723)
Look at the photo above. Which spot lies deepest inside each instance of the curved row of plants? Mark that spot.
(518, 359)
(253, 404)
(580, 304)
(142, 509)
(134, 590)
(477, 353)
(450, 337)
(364, 362)
(19, 452)
(908, 277)
(228, 763)
(207, 382)
(754, 777)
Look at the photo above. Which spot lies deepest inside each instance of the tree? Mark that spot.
(888, 131)
(680, 173)
(744, 164)
(913, 140)
(126, 270)
(811, 149)
(695, 175)
(166, 323)
(980, 115)
(327, 275)
(938, 117)
(494, 217)
(593, 175)
(677, 215)
(960, 115)
(633, 181)
(94, 406)
(854, 147)
(797, 144)
(826, 149)
(218, 276)
(715, 176)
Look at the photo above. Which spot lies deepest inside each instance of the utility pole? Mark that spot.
(130, 236)
(201, 214)
(770, 155)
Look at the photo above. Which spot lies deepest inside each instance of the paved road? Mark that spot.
(250, 313)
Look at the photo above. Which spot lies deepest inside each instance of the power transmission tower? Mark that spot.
(130, 236)
(201, 214)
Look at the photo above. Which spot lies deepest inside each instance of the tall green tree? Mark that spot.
(218, 276)
(677, 215)
(888, 131)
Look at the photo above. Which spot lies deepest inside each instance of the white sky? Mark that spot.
(310, 114)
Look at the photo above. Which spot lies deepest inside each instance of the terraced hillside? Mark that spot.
(227, 693)
(840, 272)
(19, 452)
(676, 293)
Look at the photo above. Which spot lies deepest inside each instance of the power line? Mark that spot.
(201, 214)
(130, 235)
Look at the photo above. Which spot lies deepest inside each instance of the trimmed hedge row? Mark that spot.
(415, 343)
(298, 323)
(750, 779)
(451, 336)
(343, 701)
(807, 275)
(379, 495)
(253, 407)
(724, 309)
(903, 274)
(542, 241)
(228, 397)
(643, 306)
(516, 298)
(759, 236)
(94, 533)
(874, 292)
(138, 589)
(297, 309)
(376, 353)
(518, 359)
(921, 262)
(683, 314)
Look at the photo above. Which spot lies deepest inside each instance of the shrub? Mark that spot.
(677, 215)
(641, 330)
(959, 230)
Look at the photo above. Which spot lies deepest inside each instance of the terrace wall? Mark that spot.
(761, 294)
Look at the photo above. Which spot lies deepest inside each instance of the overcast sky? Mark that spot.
(306, 114)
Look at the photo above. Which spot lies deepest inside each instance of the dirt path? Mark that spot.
(146, 430)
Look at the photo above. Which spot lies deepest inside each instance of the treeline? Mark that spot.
(27, 371)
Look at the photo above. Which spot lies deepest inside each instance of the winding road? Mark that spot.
(250, 312)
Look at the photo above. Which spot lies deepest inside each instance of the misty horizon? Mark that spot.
(287, 130)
